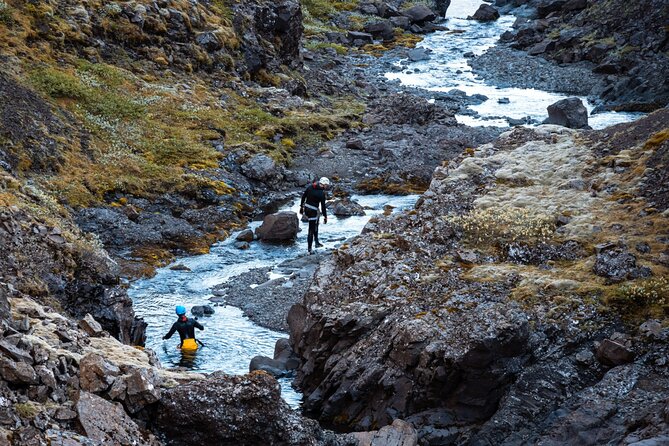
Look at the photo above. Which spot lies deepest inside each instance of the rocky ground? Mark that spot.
(134, 131)
(522, 301)
(267, 302)
(620, 43)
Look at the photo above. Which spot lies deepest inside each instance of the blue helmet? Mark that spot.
(181, 310)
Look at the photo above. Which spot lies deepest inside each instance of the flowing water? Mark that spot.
(231, 339)
(448, 69)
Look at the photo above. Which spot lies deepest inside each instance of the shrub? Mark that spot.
(649, 292)
(6, 14)
(503, 226)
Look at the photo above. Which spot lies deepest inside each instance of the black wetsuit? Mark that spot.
(186, 328)
(313, 196)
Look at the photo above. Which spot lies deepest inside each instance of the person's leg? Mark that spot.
(318, 244)
(310, 236)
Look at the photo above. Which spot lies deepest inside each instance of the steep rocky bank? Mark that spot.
(527, 289)
(623, 45)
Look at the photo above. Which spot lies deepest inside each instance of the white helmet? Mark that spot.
(324, 181)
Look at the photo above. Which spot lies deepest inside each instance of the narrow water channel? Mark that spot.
(448, 69)
(231, 339)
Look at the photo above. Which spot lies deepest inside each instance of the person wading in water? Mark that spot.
(186, 328)
(314, 195)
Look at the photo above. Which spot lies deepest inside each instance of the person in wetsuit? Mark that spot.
(186, 328)
(313, 196)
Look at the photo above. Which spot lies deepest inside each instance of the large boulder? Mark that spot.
(107, 423)
(399, 433)
(419, 14)
(281, 226)
(617, 264)
(381, 30)
(568, 112)
(261, 168)
(285, 360)
(234, 410)
(142, 388)
(96, 374)
(346, 208)
(485, 13)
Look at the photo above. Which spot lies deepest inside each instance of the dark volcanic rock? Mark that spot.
(419, 14)
(234, 410)
(107, 423)
(613, 353)
(568, 112)
(617, 264)
(270, 33)
(202, 310)
(486, 13)
(346, 208)
(281, 226)
(245, 236)
(381, 30)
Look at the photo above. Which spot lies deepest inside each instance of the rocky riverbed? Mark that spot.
(132, 132)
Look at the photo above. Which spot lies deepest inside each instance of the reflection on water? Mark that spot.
(230, 339)
(448, 69)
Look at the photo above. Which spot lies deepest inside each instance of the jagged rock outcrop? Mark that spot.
(618, 39)
(494, 350)
(235, 410)
(48, 261)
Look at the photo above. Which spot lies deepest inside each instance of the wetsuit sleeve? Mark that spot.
(304, 197)
(325, 213)
(196, 324)
(171, 332)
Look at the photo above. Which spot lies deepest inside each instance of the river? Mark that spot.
(448, 69)
(231, 339)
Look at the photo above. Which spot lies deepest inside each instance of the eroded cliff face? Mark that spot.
(507, 304)
(625, 41)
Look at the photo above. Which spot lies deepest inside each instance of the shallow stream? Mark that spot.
(231, 339)
(448, 69)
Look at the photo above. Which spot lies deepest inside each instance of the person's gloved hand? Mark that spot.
(164, 338)
(325, 220)
(301, 210)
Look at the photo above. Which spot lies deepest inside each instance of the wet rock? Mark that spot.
(17, 372)
(91, 326)
(142, 389)
(418, 54)
(242, 245)
(285, 360)
(202, 310)
(568, 112)
(96, 374)
(281, 226)
(419, 14)
(503, 101)
(262, 168)
(233, 410)
(613, 353)
(347, 208)
(179, 267)
(245, 236)
(107, 423)
(485, 13)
